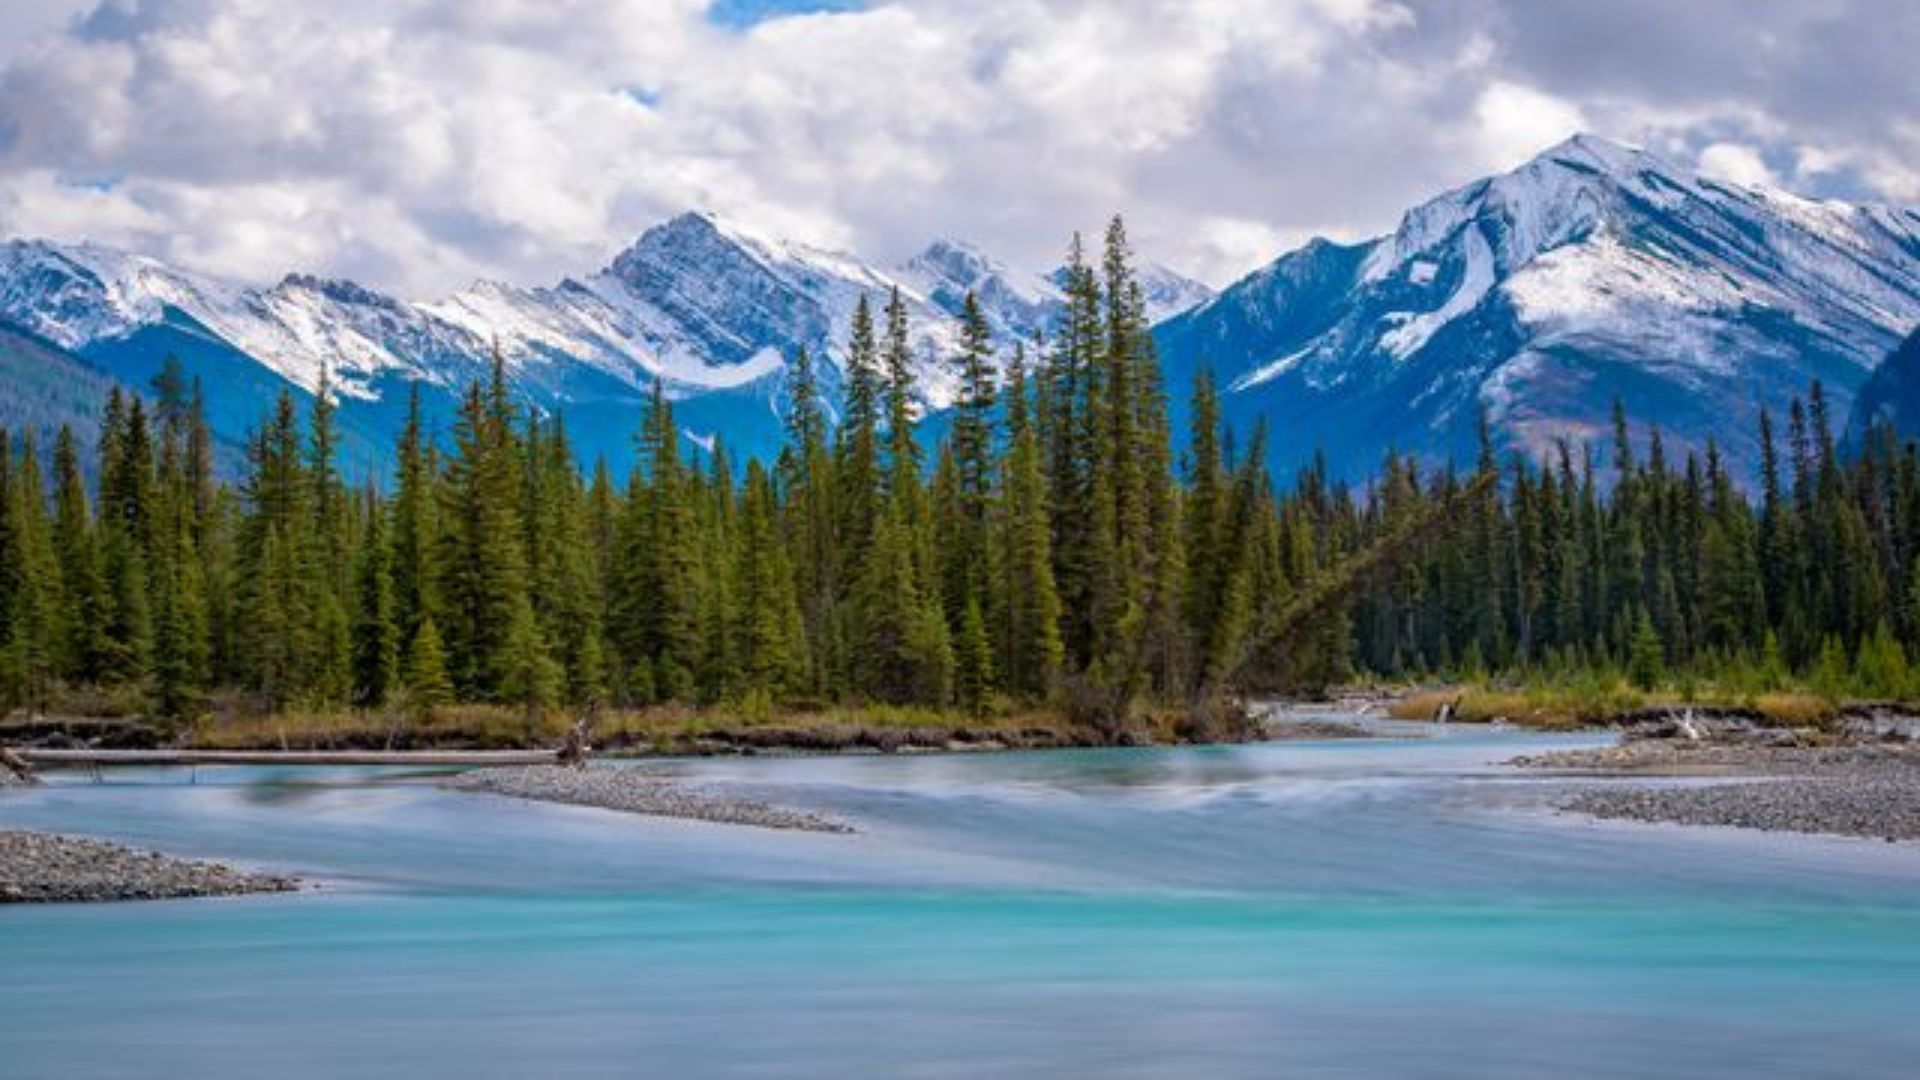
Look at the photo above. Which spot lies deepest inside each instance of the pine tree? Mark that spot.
(1646, 660)
(483, 570)
(812, 517)
(659, 591)
(1034, 653)
(36, 617)
(126, 529)
(415, 537)
(974, 661)
(428, 686)
(902, 651)
(970, 548)
(770, 639)
(376, 634)
(84, 649)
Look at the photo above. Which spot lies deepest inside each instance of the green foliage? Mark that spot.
(1831, 673)
(427, 684)
(974, 662)
(1646, 658)
(1054, 553)
(1881, 669)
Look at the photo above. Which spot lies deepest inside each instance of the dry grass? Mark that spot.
(1794, 710)
(1546, 707)
(479, 727)
(1553, 706)
(668, 728)
(1421, 704)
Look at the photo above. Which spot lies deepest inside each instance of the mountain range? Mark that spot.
(712, 311)
(1535, 298)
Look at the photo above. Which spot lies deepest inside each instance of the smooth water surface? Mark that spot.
(1403, 905)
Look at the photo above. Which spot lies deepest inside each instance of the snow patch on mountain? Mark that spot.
(1413, 331)
(1273, 370)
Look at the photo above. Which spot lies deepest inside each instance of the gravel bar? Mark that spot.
(39, 868)
(636, 792)
(1859, 790)
(1875, 808)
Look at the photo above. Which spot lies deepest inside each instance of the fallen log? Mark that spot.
(13, 763)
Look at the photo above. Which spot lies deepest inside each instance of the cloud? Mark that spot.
(417, 144)
(1516, 122)
(1740, 164)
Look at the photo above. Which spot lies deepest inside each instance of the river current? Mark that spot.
(1403, 905)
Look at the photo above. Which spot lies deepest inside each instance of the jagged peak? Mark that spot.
(1599, 152)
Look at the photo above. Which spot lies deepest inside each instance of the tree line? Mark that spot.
(1661, 569)
(1055, 549)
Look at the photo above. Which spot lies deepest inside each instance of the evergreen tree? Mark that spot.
(1032, 658)
(415, 569)
(1645, 658)
(36, 616)
(376, 634)
(483, 570)
(428, 686)
(771, 642)
(974, 661)
(83, 588)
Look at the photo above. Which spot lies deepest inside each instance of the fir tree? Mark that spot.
(428, 686)
(376, 634)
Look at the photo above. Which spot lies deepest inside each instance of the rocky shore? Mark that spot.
(1847, 783)
(1313, 731)
(43, 868)
(636, 791)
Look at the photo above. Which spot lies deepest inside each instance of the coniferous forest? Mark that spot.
(1056, 551)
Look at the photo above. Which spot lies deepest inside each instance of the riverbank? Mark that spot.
(40, 868)
(662, 731)
(636, 791)
(1845, 782)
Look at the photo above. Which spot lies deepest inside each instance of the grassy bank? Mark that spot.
(1559, 706)
(667, 730)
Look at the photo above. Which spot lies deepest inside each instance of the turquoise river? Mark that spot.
(1400, 906)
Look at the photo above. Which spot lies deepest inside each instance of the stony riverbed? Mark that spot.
(636, 791)
(45, 868)
(1776, 781)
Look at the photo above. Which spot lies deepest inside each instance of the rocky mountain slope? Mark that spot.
(1592, 272)
(713, 311)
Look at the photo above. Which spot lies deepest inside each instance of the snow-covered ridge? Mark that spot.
(1593, 237)
(698, 302)
(1538, 295)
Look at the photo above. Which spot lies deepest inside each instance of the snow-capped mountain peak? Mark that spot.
(1537, 295)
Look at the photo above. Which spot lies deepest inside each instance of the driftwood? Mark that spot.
(17, 765)
(579, 744)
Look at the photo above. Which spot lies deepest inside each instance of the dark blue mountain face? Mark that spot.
(44, 387)
(1891, 397)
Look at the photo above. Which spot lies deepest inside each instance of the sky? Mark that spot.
(417, 145)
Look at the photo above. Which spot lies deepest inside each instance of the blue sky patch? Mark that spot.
(746, 14)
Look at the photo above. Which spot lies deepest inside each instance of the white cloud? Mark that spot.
(416, 144)
(1515, 122)
(1737, 163)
